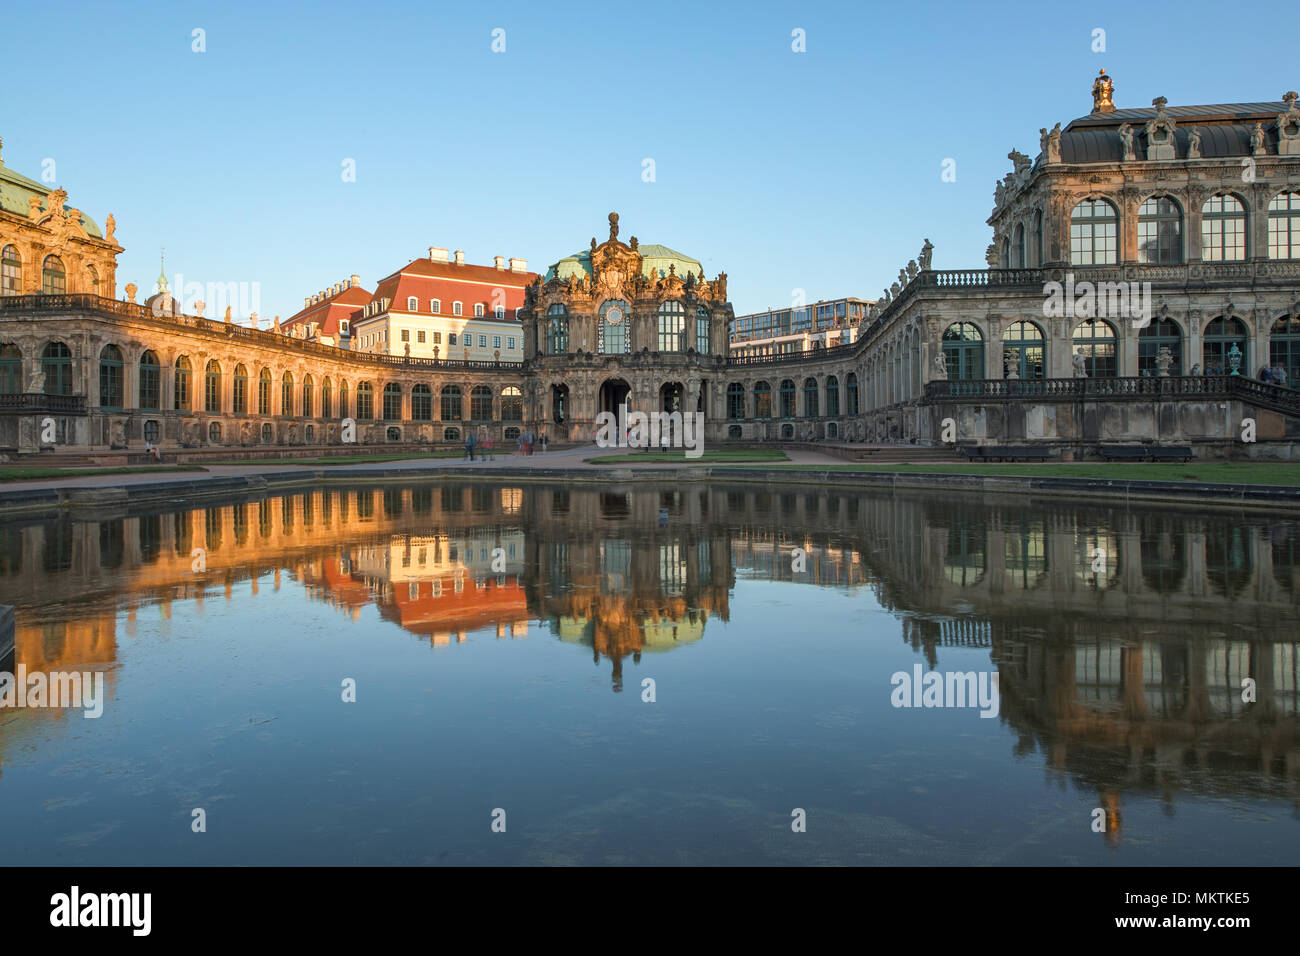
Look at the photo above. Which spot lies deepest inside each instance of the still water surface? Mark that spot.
(499, 638)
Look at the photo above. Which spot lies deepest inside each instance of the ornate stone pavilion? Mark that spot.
(624, 324)
(1144, 271)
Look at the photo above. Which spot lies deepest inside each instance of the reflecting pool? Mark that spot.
(687, 674)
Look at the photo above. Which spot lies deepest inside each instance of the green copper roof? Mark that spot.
(16, 189)
(655, 262)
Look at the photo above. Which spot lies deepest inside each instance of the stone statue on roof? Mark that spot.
(1194, 143)
(927, 251)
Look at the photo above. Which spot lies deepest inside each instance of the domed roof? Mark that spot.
(16, 190)
(655, 261)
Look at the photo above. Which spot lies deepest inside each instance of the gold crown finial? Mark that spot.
(1103, 92)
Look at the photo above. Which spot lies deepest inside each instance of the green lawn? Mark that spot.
(723, 457)
(32, 474)
(341, 459)
(1222, 472)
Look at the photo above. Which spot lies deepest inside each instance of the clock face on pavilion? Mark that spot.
(614, 316)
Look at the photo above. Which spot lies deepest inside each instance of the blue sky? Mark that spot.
(818, 170)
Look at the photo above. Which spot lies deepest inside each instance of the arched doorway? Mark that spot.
(559, 404)
(672, 398)
(613, 393)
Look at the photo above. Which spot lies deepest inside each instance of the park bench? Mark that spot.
(1146, 452)
(1006, 453)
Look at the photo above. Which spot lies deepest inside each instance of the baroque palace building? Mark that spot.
(1144, 272)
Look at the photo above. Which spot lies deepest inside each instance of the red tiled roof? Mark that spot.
(328, 311)
(417, 279)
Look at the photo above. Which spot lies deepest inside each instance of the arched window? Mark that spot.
(480, 404)
(110, 377)
(326, 398)
(1018, 247)
(1038, 238)
(392, 402)
(1022, 351)
(421, 403)
(181, 384)
(11, 370)
(239, 396)
(1284, 226)
(832, 395)
(557, 330)
(456, 308)
(214, 431)
(435, 306)
(963, 351)
(343, 399)
(451, 434)
(56, 365)
(412, 304)
(1222, 336)
(787, 398)
(212, 387)
(1094, 228)
(851, 386)
(150, 380)
(810, 398)
(1160, 333)
(92, 280)
(702, 343)
(1284, 348)
(762, 400)
(612, 334)
(264, 392)
(308, 387)
(1223, 229)
(451, 405)
(512, 404)
(1160, 231)
(672, 327)
(365, 401)
(736, 400)
(54, 278)
(286, 394)
(267, 436)
(1095, 339)
(1005, 261)
(11, 271)
(478, 310)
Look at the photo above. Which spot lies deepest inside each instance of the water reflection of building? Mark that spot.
(1122, 637)
(628, 574)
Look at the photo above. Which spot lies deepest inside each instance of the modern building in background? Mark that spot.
(438, 307)
(823, 324)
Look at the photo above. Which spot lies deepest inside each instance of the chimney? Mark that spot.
(306, 301)
(518, 265)
(460, 257)
(356, 281)
(499, 261)
(437, 254)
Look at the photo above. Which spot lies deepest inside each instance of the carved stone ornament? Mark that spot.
(1288, 127)
(1160, 132)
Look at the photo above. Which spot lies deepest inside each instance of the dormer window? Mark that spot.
(435, 306)
(478, 310)
(456, 308)
(500, 312)
(412, 304)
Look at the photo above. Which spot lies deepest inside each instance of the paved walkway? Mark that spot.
(565, 458)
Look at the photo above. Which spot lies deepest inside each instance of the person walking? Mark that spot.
(469, 445)
(544, 443)
(487, 447)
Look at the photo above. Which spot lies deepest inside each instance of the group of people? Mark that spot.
(1272, 376)
(486, 450)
